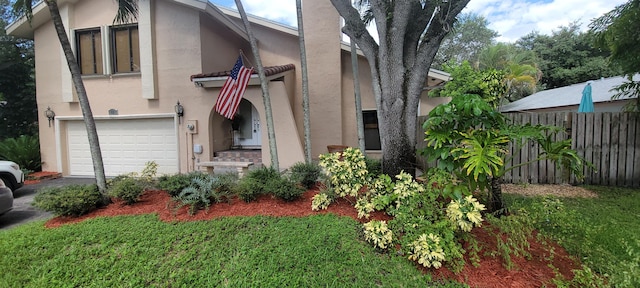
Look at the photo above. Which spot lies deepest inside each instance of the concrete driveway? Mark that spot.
(23, 212)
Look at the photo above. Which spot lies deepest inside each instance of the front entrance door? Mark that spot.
(249, 132)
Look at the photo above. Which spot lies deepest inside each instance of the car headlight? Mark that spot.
(15, 166)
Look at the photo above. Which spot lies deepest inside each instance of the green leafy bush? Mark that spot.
(374, 166)
(174, 184)
(73, 200)
(248, 189)
(306, 174)
(24, 150)
(284, 189)
(377, 233)
(254, 183)
(126, 188)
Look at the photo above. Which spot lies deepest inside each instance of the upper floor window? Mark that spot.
(89, 50)
(125, 49)
(108, 50)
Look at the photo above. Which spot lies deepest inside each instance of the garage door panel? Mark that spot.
(126, 146)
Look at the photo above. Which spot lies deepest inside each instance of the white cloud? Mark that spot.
(516, 18)
(283, 11)
(512, 19)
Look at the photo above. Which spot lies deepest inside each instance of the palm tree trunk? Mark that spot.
(87, 115)
(356, 90)
(305, 85)
(265, 88)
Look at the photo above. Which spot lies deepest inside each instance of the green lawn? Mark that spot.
(139, 251)
(603, 232)
(316, 251)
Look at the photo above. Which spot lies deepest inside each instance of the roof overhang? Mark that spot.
(217, 82)
(23, 29)
(293, 31)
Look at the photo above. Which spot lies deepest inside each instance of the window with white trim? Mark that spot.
(108, 50)
(125, 49)
(89, 51)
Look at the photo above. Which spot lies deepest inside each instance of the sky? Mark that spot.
(512, 19)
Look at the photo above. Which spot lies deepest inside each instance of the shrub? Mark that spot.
(254, 183)
(320, 201)
(126, 188)
(465, 213)
(24, 150)
(174, 184)
(374, 166)
(284, 189)
(73, 200)
(427, 251)
(306, 174)
(377, 233)
(248, 189)
(347, 171)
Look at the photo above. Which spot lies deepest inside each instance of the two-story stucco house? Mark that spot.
(181, 51)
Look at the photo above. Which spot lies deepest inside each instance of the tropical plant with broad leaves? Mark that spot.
(469, 137)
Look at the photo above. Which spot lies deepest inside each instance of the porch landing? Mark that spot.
(239, 155)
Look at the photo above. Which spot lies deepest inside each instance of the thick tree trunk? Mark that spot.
(305, 85)
(397, 134)
(76, 76)
(264, 84)
(496, 205)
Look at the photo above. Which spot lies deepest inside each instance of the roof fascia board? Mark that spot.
(23, 28)
(261, 21)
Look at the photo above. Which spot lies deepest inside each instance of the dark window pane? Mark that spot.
(89, 50)
(126, 49)
(371, 131)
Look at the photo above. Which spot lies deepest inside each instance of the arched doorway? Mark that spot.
(247, 135)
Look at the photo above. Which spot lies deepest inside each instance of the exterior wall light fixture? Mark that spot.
(50, 115)
(179, 110)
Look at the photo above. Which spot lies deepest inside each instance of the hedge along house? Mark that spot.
(182, 51)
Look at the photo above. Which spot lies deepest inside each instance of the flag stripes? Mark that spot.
(233, 90)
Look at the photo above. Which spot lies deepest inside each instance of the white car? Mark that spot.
(11, 175)
(6, 198)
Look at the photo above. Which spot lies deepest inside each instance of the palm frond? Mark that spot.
(127, 12)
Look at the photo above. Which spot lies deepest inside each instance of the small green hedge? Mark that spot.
(72, 200)
(126, 188)
(306, 174)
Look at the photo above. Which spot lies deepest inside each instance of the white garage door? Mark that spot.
(126, 146)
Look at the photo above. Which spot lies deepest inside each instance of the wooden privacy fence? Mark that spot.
(611, 141)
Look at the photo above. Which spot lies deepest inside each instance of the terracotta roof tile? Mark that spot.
(268, 71)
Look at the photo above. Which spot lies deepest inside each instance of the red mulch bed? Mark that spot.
(490, 273)
(36, 177)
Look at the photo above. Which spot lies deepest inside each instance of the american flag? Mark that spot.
(233, 89)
